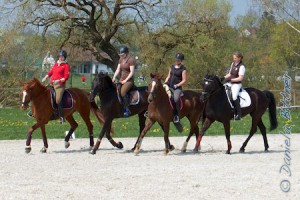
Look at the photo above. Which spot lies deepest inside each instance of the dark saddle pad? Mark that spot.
(133, 94)
(67, 99)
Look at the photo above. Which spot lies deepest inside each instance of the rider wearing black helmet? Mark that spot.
(176, 78)
(126, 70)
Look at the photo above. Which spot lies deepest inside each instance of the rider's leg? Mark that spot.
(177, 94)
(124, 90)
(235, 88)
(59, 91)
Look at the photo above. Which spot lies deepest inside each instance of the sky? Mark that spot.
(240, 7)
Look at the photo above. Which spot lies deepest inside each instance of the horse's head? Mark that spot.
(211, 83)
(154, 85)
(101, 82)
(29, 89)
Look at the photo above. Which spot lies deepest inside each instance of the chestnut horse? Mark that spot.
(160, 110)
(112, 108)
(40, 98)
(218, 108)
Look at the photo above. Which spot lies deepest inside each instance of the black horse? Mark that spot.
(218, 108)
(112, 108)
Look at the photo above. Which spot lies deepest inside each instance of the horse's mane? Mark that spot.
(107, 78)
(215, 78)
(35, 81)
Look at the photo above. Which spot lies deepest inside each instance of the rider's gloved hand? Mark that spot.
(56, 81)
(175, 86)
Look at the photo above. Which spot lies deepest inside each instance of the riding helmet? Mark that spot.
(123, 50)
(63, 53)
(179, 56)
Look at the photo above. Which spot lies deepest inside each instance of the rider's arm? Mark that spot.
(116, 73)
(168, 77)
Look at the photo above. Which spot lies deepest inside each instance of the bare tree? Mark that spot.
(284, 10)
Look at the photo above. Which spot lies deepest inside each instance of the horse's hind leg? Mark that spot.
(86, 118)
(193, 129)
(142, 120)
(262, 129)
(149, 124)
(74, 125)
(252, 131)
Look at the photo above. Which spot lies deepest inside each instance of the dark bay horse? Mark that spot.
(40, 98)
(112, 108)
(217, 108)
(159, 110)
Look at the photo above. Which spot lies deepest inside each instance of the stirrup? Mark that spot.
(176, 119)
(62, 120)
(237, 117)
(126, 112)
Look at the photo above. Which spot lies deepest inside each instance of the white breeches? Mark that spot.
(235, 89)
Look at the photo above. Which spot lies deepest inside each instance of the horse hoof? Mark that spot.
(166, 152)
(171, 148)
(120, 145)
(43, 150)
(228, 152)
(67, 144)
(183, 150)
(93, 152)
(27, 149)
(195, 150)
(242, 150)
(266, 150)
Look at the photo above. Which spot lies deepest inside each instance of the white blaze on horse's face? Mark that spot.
(153, 85)
(24, 97)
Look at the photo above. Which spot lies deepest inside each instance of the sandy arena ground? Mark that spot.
(118, 174)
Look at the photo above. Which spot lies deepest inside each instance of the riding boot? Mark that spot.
(126, 104)
(61, 112)
(237, 109)
(176, 118)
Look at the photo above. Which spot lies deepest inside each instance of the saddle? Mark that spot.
(171, 97)
(67, 99)
(133, 94)
(243, 95)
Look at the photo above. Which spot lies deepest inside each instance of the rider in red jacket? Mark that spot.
(59, 74)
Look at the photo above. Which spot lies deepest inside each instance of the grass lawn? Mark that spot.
(14, 124)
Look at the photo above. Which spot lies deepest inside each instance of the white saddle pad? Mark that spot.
(245, 99)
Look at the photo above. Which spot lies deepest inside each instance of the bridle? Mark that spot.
(209, 93)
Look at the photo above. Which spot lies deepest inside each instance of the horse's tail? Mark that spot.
(272, 109)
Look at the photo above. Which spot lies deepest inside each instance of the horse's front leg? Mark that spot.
(29, 136)
(105, 128)
(226, 125)
(149, 124)
(168, 146)
(119, 145)
(44, 136)
(142, 121)
(206, 125)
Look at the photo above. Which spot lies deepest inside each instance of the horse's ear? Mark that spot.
(36, 80)
(152, 75)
